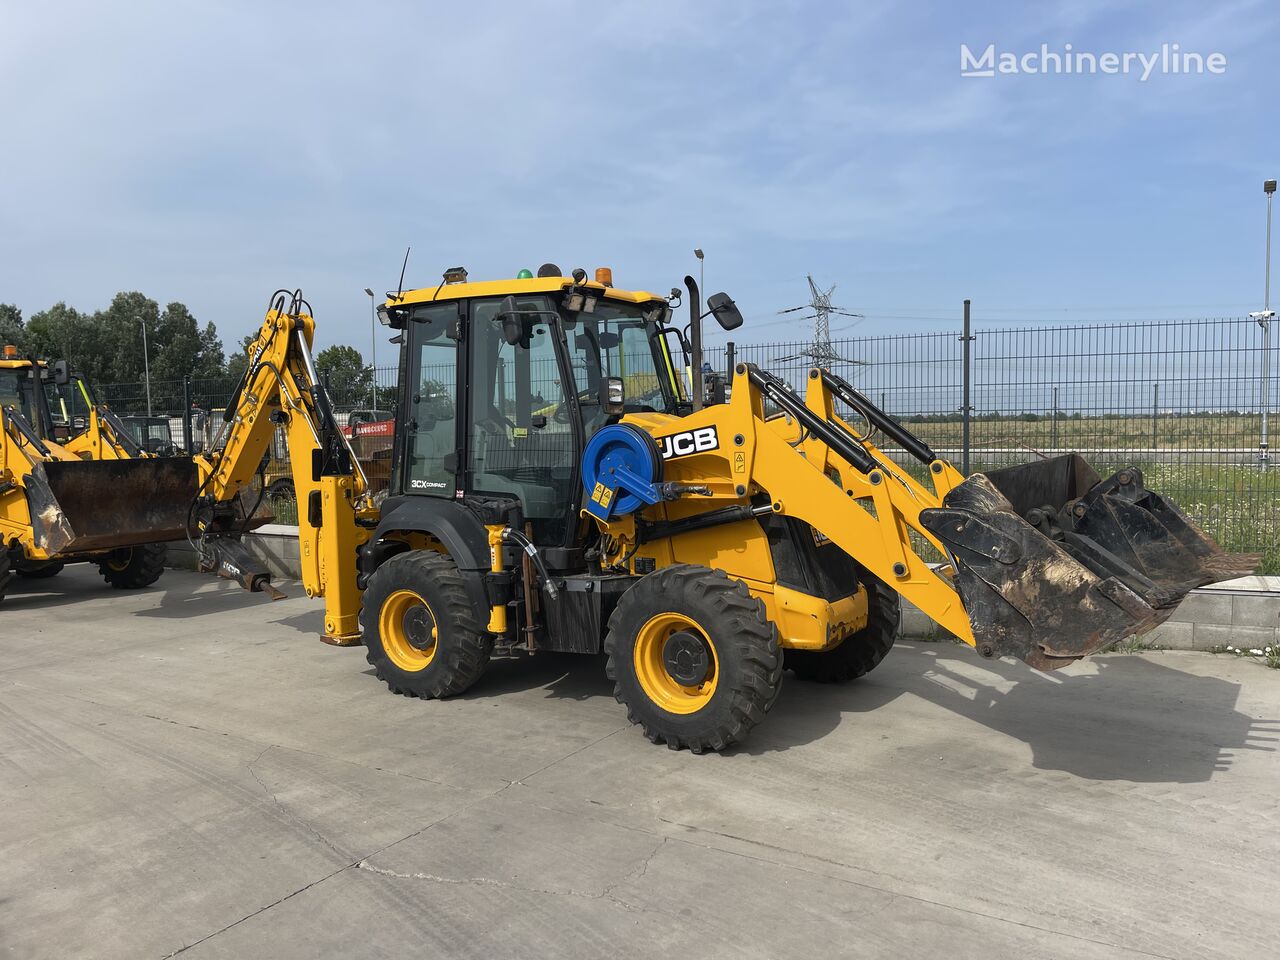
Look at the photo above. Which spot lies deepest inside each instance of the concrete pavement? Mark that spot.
(188, 771)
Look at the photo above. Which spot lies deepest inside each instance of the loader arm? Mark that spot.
(1045, 561)
(280, 389)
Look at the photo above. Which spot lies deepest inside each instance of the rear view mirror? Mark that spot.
(61, 373)
(512, 323)
(726, 311)
(612, 396)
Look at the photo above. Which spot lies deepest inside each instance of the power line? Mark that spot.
(820, 352)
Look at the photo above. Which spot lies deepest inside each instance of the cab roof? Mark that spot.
(502, 288)
(18, 363)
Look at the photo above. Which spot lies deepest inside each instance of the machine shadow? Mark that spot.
(564, 676)
(1122, 718)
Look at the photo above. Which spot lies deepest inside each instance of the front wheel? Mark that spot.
(134, 567)
(693, 658)
(40, 571)
(423, 637)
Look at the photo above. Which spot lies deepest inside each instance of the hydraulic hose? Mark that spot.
(525, 544)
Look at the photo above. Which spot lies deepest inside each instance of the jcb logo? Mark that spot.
(691, 441)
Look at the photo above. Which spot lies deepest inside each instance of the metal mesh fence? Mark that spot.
(1181, 400)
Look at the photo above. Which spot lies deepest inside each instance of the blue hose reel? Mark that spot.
(621, 471)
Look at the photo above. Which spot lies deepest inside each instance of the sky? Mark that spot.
(214, 152)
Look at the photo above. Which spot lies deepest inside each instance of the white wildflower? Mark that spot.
(1256, 652)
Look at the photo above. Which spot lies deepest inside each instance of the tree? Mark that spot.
(238, 362)
(63, 332)
(349, 379)
(10, 325)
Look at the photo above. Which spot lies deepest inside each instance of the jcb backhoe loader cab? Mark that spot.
(555, 489)
(74, 487)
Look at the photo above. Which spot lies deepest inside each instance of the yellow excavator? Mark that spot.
(555, 487)
(75, 486)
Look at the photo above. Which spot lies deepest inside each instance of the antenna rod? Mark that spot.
(403, 267)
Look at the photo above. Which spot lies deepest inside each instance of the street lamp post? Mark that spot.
(146, 363)
(373, 350)
(1264, 319)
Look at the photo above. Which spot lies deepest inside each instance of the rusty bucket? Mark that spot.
(1053, 563)
(85, 506)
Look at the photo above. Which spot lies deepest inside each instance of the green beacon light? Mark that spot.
(524, 275)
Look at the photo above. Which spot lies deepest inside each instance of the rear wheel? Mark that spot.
(859, 654)
(423, 637)
(40, 571)
(693, 658)
(134, 567)
(6, 571)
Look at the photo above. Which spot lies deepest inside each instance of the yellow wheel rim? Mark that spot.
(671, 636)
(408, 630)
(120, 564)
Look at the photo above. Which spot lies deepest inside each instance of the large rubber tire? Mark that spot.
(745, 671)
(132, 568)
(423, 637)
(41, 571)
(6, 571)
(859, 654)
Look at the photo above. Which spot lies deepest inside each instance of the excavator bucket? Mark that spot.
(1053, 563)
(81, 506)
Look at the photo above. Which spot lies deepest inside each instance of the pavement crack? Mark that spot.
(262, 909)
(275, 799)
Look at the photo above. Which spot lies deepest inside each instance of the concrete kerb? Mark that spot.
(1240, 613)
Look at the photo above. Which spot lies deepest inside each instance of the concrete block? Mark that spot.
(915, 625)
(1248, 637)
(1206, 636)
(1172, 635)
(1204, 608)
(1255, 610)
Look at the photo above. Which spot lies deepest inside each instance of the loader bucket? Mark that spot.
(1053, 563)
(82, 506)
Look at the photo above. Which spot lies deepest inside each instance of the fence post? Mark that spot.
(186, 414)
(1053, 443)
(1155, 401)
(730, 359)
(964, 401)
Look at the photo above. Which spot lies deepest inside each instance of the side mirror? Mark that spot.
(727, 313)
(613, 396)
(512, 323)
(61, 373)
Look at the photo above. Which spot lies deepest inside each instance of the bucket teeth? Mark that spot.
(1053, 563)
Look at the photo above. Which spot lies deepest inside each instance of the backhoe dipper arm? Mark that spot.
(280, 388)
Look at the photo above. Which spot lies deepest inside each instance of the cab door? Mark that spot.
(430, 378)
(522, 436)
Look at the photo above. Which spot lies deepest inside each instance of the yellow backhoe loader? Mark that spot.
(553, 488)
(75, 486)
